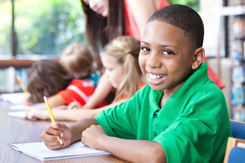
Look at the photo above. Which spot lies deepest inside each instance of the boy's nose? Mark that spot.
(153, 61)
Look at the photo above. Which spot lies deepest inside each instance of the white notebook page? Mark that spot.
(23, 107)
(13, 98)
(18, 111)
(17, 114)
(39, 151)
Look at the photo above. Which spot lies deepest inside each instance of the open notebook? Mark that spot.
(22, 107)
(39, 151)
(17, 114)
(18, 111)
(13, 98)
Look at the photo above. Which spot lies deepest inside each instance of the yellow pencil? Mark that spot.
(21, 84)
(50, 114)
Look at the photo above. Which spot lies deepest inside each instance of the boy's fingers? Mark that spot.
(53, 147)
(47, 137)
(58, 126)
(52, 143)
(55, 125)
(52, 131)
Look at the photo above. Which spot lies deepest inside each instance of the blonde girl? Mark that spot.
(120, 60)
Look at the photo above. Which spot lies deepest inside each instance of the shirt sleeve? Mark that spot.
(180, 139)
(121, 120)
(68, 96)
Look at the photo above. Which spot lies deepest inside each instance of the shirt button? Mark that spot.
(154, 134)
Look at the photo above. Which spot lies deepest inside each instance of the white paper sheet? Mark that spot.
(39, 151)
(13, 98)
(17, 114)
(23, 107)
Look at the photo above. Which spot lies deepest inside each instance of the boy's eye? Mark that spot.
(167, 52)
(145, 49)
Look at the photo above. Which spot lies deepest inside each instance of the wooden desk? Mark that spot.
(14, 130)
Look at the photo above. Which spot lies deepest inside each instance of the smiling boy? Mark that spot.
(180, 116)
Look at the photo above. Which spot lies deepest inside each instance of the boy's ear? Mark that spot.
(198, 58)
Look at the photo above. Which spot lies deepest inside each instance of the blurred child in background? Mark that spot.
(77, 59)
(51, 79)
(120, 59)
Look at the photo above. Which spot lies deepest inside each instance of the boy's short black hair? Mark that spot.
(184, 18)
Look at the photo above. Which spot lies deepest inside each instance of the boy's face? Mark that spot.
(166, 56)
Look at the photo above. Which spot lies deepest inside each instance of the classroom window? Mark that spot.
(42, 27)
(5, 28)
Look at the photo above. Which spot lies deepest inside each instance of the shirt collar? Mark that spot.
(176, 101)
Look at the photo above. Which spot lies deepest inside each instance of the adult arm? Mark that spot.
(141, 10)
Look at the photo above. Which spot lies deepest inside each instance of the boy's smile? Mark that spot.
(155, 78)
(166, 56)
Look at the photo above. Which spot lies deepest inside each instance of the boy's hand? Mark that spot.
(52, 134)
(92, 135)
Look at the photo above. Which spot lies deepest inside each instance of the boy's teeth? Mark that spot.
(152, 76)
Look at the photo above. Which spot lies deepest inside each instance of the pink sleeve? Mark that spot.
(130, 23)
(215, 78)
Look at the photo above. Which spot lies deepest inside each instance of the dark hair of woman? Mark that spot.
(101, 30)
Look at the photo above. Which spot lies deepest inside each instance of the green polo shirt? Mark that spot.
(192, 126)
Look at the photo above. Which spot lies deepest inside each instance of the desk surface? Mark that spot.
(14, 130)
